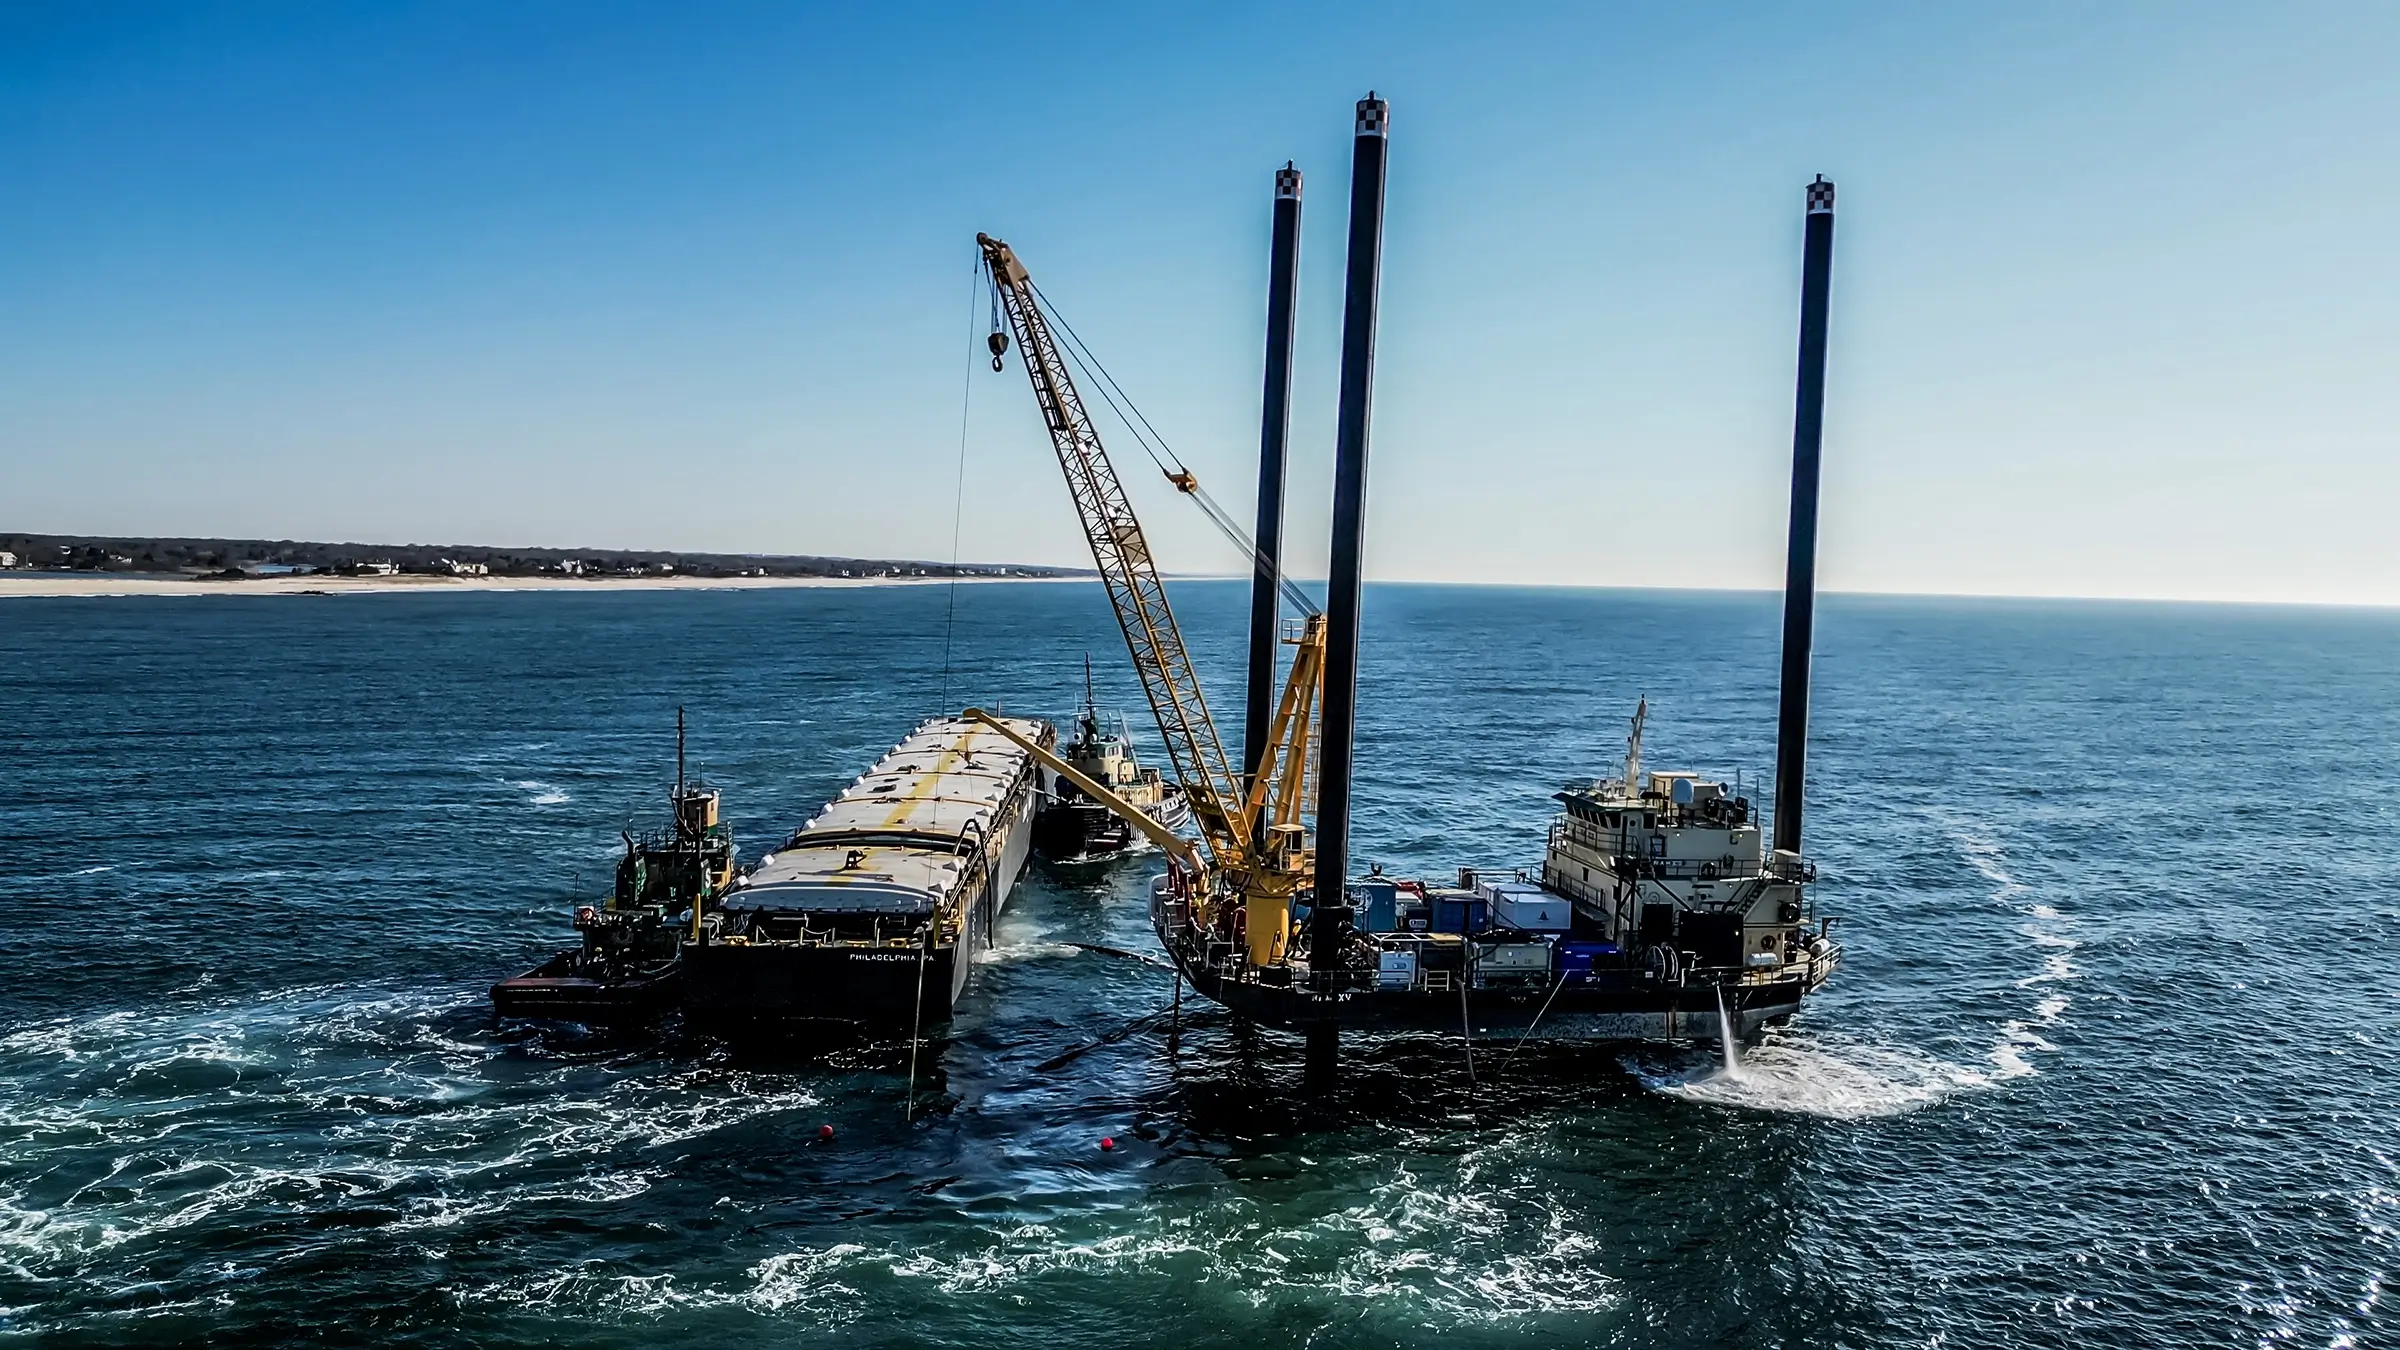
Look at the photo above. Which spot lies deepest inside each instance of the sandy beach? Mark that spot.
(103, 584)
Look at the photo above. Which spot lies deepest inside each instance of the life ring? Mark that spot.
(1708, 871)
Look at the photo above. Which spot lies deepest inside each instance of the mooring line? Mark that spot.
(1555, 986)
(1466, 1028)
(916, 1026)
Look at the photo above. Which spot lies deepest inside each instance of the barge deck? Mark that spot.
(865, 922)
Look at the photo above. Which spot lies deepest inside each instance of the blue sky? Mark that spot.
(2116, 305)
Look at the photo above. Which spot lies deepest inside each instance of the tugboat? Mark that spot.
(1074, 825)
(627, 969)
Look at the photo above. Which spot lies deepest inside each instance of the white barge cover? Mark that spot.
(898, 839)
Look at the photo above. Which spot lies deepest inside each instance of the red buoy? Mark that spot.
(825, 1132)
(1106, 1144)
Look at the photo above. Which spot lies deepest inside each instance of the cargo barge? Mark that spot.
(865, 922)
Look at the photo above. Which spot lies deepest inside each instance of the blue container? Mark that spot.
(1460, 914)
(1379, 905)
(1575, 959)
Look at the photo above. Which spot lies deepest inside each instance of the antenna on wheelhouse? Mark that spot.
(679, 754)
(1633, 746)
(1800, 560)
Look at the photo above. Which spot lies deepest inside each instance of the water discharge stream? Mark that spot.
(1729, 1038)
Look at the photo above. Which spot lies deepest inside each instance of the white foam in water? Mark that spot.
(1823, 1075)
(1840, 1082)
(544, 794)
(422, 1124)
(2045, 929)
(1985, 856)
(1488, 1243)
(1023, 940)
(1008, 952)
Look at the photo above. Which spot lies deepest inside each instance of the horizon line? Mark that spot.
(2075, 597)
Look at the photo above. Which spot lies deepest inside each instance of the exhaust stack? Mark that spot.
(1330, 922)
(1800, 560)
(1275, 424)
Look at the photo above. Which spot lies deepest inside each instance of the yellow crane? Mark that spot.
(1258, 854)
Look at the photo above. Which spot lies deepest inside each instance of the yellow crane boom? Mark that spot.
(1126, 567)
(1252, 830)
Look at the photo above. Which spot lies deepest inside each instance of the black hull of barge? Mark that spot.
(774, 991)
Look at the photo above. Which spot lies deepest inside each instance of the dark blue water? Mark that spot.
(2111, 1062)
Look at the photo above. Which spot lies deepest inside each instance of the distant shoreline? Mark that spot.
(58, 587)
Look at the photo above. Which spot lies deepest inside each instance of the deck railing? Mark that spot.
(1630, 863)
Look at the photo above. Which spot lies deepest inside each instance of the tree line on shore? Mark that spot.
(237, 558)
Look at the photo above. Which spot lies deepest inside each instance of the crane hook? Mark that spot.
(998, 342)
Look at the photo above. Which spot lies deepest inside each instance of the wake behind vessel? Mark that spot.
(864, 922)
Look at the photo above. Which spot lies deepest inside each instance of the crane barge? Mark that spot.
(1658, 912)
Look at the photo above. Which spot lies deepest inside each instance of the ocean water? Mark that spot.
(2111, 1061)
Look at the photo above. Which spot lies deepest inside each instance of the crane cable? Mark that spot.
(1155, 446)
(958, 503)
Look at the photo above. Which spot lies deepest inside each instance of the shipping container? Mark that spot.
(1575, 958)
(1456, 913)
(1530, 909)
(1512, 963)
